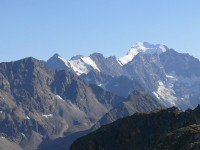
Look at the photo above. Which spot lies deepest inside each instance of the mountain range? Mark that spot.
(49, 104)
(172, 77)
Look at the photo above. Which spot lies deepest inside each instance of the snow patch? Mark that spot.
(100, 84)
(2, 137)
(103, 85)
(166, 94)
(27, 117)
(156, 95)
(59, 97)
(171, 77)
(90, 62)
(47, 116)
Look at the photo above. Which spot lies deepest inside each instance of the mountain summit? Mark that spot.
(78, 64)
(142, 47)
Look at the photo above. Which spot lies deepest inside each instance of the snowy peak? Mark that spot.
(79, 64)
(142, 47)
(82, 65)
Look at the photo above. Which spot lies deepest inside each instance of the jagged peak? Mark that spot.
(97, 55)
(55, 57)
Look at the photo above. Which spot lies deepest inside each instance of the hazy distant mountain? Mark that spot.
(174, 78)
(165, 129)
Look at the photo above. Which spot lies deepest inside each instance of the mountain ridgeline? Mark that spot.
(172, 77)
(165, 129)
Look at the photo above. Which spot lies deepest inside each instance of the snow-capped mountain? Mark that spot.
(79, 64)
(83, 65)
(142, 47)
(172, 77)
(112, 66)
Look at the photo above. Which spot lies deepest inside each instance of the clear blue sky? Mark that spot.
(40, 28)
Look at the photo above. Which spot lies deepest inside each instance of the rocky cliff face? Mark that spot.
(165, 129)
(138, 101)
(109, 66)
(180, 64)
(37, 103)
(147, 69)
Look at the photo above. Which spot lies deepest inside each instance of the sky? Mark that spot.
(40, 28)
